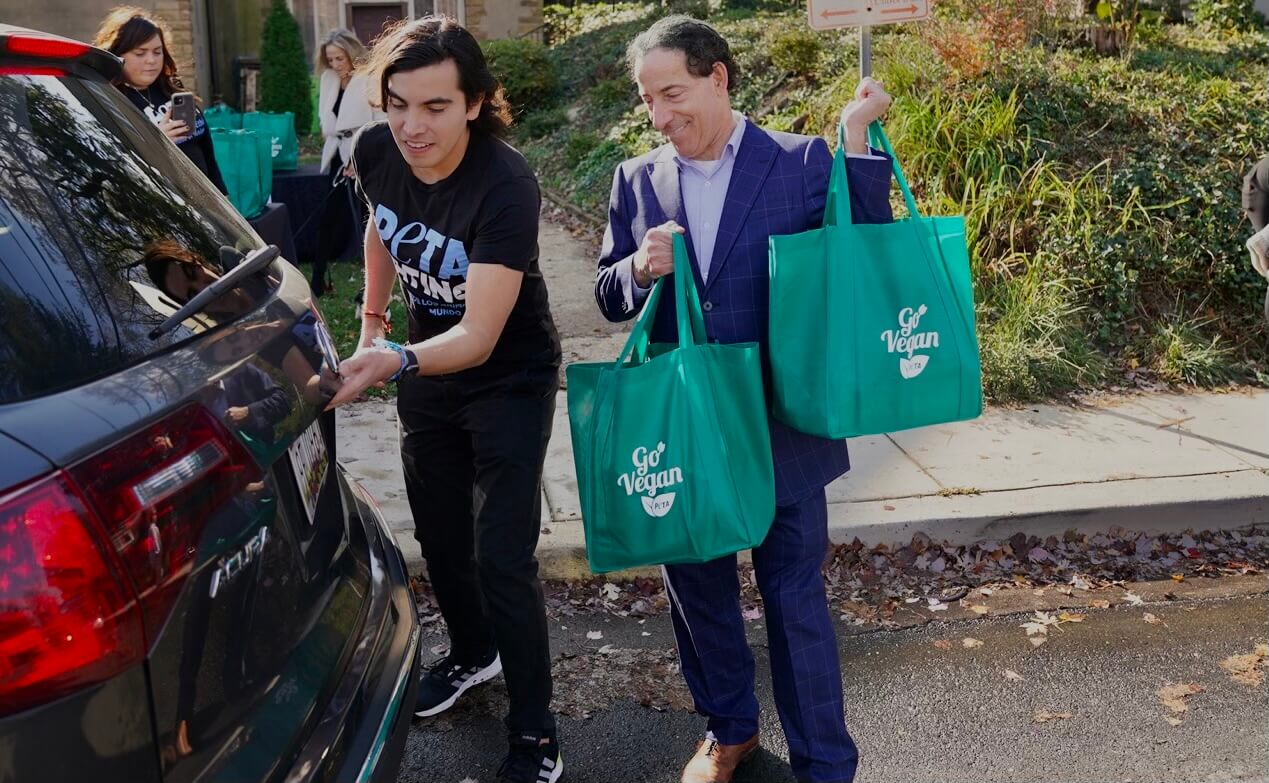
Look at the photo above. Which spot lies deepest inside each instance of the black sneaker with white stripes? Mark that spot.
(533, 759)
(451, 678)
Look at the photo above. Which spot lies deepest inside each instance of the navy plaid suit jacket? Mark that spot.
(779, 185)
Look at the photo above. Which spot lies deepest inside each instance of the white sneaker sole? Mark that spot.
(484, 675)
(556, 772)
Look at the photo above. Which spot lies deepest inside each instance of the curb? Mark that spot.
(1167, 505)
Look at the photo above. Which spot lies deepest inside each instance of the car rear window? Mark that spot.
(89, 190)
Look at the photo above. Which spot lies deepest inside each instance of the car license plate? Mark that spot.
(310, 462)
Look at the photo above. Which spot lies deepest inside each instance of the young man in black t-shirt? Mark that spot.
(454, 217)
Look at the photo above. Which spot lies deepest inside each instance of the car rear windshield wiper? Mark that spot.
(256, 261)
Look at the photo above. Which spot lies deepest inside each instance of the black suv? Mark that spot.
(190, 587)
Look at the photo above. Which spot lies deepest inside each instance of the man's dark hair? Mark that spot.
(701, 43)
(434, 39)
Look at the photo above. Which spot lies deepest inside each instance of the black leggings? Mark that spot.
(339, 228)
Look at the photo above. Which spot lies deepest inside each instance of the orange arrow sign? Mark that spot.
(827, 13)
(912, 9)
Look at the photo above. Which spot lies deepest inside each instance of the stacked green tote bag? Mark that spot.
(672, 448)
(245, 159)
(872, 325)
(223, 116)
(280, 128)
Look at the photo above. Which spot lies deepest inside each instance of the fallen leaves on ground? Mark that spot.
(1153, 619)
(1044, 716)
(870, 585)
(590, 682)
(943, 644)
(1013, 676)
(593, 635)
(970, 643)
(1248, 669)
(1174, 698)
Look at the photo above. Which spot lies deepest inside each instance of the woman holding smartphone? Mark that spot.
(150, 81)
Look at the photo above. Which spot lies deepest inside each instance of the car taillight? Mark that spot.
(49, 46)
(66, 620)
(30, 70)
(93, 557)
(155, 493)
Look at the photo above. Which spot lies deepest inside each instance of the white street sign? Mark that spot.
(828, 14)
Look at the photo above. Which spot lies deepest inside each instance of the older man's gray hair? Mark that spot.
(701, 43)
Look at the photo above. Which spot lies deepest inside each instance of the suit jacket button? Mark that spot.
(707, 306)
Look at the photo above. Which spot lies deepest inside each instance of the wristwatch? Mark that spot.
(409, 359)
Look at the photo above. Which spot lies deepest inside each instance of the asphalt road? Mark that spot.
(919, 711)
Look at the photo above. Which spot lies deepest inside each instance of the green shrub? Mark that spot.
(522, 66)
(697, 9)
(1237, 15)
(615, 93)
(537, 124)
(284, 79)
(1032, 343)
(1099, 194)
(797, 52)
(1182, 354)
(577, 146)
(594, 172)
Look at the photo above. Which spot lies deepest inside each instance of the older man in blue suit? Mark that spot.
(729, 185)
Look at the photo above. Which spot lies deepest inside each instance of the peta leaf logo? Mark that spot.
(911, 368)
(659, 505)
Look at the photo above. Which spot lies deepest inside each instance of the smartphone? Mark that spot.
(183, 109)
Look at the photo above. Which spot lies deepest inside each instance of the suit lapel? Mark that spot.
(664, 175)
(753, 162)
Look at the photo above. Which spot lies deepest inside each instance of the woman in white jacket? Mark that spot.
(343, 106)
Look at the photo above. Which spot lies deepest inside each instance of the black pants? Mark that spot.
(473, 474)
(340, 224)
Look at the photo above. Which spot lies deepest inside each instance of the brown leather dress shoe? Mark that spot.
(715, 762)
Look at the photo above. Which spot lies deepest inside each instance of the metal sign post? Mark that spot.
(864, 14)
(865, 51)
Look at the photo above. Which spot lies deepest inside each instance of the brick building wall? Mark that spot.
(79, 19)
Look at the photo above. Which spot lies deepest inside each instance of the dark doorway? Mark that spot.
(367, 20)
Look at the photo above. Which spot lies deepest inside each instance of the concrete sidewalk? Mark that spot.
(1157, 462)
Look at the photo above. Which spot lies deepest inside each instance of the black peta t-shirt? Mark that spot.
(486, 212)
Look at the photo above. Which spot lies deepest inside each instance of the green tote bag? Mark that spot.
(280, 128)
(246, 165)
(872, 325)
(222, 116)
(671, 443)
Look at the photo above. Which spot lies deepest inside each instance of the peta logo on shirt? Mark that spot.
(907, 340)
(432, 267)
(646, 478)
